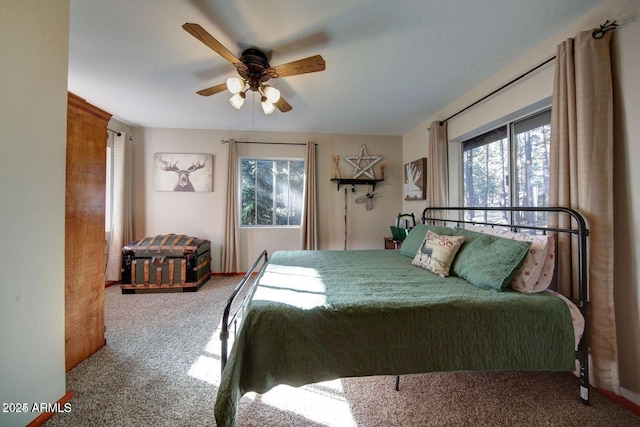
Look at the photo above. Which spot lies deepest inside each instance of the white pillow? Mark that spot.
(546, 275)
(436, 253)
(537, 270)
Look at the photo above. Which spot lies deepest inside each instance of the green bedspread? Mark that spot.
(320, 315)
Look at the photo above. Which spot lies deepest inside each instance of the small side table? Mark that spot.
(391, 243)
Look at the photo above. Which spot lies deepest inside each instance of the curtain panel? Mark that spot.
(121, 224)
(437, 174)
(309, 226)
(581, 177)
(230, 252)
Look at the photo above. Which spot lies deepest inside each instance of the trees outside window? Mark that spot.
(271, 192)
(508, 166)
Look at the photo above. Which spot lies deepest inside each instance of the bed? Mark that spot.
(302, 317)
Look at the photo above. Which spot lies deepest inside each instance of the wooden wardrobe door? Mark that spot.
(85, 234)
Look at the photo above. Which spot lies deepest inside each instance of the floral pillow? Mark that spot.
(548, 268)
(436, 253)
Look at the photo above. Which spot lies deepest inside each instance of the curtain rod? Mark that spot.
(120, 134)
(596, 34)
(226, 141)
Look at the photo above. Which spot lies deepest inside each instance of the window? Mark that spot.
(271, 192)
(509, 166)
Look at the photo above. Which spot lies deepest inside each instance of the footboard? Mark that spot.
(243, 292)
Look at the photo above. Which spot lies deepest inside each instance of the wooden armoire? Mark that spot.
(85, 230)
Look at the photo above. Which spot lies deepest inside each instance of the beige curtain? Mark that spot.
(581, 177)
(121, 225)
(309, 226)
(437, 190)
(230, 252)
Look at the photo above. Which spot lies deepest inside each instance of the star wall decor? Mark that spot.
(363, 156)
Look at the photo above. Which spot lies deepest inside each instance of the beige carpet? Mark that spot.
(161, 368)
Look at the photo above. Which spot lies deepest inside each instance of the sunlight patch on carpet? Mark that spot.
(206, 369)
(214, 345)
(323, 403)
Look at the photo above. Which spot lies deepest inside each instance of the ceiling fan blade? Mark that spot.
(213, 90)
(283, 105)
(201, 34)
(301, 66)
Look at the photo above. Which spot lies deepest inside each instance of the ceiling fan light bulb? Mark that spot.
(235, 84)
(267, 106)
(272, 94)
(237, 100)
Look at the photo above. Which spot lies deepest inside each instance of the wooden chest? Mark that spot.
(170, 261)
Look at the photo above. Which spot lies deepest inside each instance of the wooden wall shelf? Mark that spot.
(356, 181)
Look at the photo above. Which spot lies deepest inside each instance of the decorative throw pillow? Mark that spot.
(530, 277)
(413, 241)
(489, 262)
(436, 253)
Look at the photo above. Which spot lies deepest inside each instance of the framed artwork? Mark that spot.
(415, 180)
(182, 172)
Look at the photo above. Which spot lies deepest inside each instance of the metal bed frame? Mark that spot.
(579, 229)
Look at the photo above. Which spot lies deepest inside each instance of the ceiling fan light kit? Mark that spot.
(237, 100)
(254, 70)
(272, 94)
(235, 84)
(267, 106)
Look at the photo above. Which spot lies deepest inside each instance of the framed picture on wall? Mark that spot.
(415, 180)
(182, 172)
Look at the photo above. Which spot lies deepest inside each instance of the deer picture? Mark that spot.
(183, 184)
(428, 251)
(414, 180)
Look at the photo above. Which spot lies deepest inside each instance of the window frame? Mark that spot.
(510, 123)
(239, 190)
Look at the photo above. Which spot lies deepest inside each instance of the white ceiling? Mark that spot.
(390, 64)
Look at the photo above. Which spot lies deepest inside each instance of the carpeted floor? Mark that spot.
(161, 367)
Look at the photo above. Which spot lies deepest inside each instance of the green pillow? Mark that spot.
(412, 242)
(488, 262)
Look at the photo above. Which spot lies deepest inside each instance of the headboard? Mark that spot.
(577, 227)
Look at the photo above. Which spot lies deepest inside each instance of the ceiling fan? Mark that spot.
(254, 70)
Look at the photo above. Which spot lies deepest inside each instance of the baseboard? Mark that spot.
(228, 274)
(622, 400)
(46, 415)
(117, 282)
(630, 395)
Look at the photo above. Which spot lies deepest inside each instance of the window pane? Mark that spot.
(271, 192)
(532, 136)
(296, 188)
(282, 192)
(248, 185)
(264, 192)
(503, 168)
(486, 175)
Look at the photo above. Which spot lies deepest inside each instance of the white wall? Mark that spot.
(203, 214)
(535, 90)
(34, 44)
